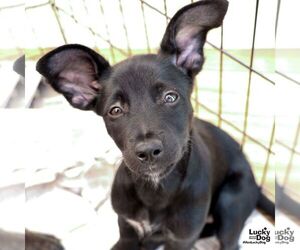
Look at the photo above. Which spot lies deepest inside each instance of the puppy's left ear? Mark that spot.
(186, 33)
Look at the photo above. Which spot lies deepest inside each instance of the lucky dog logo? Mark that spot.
(285, 236)
(261, 236)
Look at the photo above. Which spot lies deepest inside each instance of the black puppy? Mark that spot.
(177, 169)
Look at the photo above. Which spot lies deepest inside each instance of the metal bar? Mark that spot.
(153, 8)
(72, 11)
(291, 192)
(95, 33)
(221, 80)
(54, 9)
(12, 6)
(287, 147)
(166, 12)
(112, 53)
(125, 28)
(240, 62)
(268, 192)
(290, 164)
(37, 5)
(287, 77)
(266, 167)
(145, 27)
(247, 105)
(277, 17)
(235, 127)
(89, 26)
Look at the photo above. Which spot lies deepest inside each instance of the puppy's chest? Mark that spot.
(156, 198)
(153, 200)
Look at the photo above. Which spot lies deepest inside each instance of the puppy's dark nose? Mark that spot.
(149, 150)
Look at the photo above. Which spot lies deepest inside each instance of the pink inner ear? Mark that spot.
(80, 96)
(79, 100)
(188, 46)
(80, 85)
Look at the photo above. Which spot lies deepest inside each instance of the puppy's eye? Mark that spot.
(115, 112)
(171, 97)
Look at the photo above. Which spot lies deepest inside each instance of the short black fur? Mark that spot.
(176, 170)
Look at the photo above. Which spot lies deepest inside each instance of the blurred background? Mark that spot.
(65, 158)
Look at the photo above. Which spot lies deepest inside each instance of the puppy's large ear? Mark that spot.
(74, 71)
(186, 33)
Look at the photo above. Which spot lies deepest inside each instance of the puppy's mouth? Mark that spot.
(151, 170)
(154, 171)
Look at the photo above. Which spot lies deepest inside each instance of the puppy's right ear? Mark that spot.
(186, 33)
(74, 71)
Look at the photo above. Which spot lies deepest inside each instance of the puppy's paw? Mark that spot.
(147, 228)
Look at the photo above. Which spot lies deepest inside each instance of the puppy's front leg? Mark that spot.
(184, 225)
(141, 223)
(128, 237)
(132, 217)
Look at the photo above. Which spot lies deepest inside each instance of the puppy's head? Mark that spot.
(144, 100)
